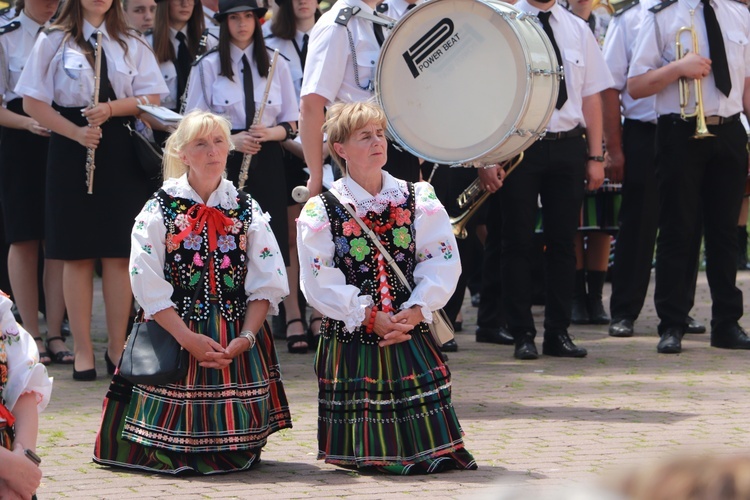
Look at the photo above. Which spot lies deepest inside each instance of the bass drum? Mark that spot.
(465, 81)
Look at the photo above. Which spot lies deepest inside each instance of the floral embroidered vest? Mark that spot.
(360, 261)
(224, 281)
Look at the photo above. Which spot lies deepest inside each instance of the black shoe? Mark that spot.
(494, 335)
(670, 342)
(621, 328)
(449, 346)
(110, 365)
(597, 314)
(561, 345)
(733, 337)
(525, 348)
(694, 326)
(475, 298)
(85, 375)
(594, 305)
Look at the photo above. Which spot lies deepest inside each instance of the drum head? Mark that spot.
(452, 79)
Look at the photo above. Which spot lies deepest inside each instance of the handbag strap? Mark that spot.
(380, 247)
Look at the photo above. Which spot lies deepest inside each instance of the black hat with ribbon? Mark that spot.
(227, 7)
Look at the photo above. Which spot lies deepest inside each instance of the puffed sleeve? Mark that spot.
(150, 79)
(25, 373)
(37, 79)
(266, 272)
(147, 250)
(438, 264)
(323, 284)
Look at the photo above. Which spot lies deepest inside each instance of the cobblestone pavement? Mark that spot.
(535, 424)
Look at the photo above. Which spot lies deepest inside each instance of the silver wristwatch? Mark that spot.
(250, 336)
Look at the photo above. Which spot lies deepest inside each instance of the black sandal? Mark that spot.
(296, 339)
(43, 354)
(59, 357)
(313, 337)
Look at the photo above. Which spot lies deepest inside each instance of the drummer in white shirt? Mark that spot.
(556, 168)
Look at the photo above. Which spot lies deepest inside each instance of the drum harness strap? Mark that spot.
(343, 18)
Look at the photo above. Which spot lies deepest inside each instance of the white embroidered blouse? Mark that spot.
(324, 285)
(266, 278)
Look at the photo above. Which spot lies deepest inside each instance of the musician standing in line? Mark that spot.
(631, 156)
(555, 168)
(341, 59)
(81, 227)
(140, 14)
(23, 161)
(697, 178)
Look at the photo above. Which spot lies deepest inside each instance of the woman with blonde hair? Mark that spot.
(206, 267)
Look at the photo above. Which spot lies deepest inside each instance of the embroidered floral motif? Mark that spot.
(181, 221)
(359, 249)
(140, 225)
(177, 258)
(135, 270)
(237, 227)
(243, 242)
(197, 260)
(402, 216)
(193, 241)
(401, 237)
(351, 227)
(147, 248)
(224, 262)
(226, 243)
(265, 253)
(424, 255)
(447, 250)
(315, 264)
(171, 245)
(342, 246)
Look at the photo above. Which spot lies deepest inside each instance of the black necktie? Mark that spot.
(378, 29)
(247, 85)
(183, 63)
(562, 94)
(303, 52)
(105, 87)
(410, 6)
(716, 48)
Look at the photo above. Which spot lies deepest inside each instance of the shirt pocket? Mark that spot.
(15, 67)
(226, 94)
(366, 62)
(76, 65)
(736, 46)
(574, 66)
(125, 73)
(169, 72)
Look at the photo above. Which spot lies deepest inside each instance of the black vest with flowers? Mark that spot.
(185, 260)
(358, 258)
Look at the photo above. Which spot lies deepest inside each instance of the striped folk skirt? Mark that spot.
(214, 421)
(387, 407)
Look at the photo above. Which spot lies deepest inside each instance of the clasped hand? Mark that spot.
(211, 354)
(396, 329)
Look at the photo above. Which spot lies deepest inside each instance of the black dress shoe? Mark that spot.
(670, 342)
(84, 375)
(561, 345)
(621, 328)
(597, 314)
(694, 326)
(450, 346)
(579, 314)
(525, 348)
(494, 335)
(733, 337)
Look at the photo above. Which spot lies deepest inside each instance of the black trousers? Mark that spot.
(700, 180)
(554, 170)
(490, 312)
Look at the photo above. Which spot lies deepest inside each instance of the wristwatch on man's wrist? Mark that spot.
(250, 336)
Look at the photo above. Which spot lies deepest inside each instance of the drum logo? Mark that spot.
(430, 47)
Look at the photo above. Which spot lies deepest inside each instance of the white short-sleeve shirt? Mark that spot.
(586, 72)
(16, 46)
(288, 49)
(656, 48)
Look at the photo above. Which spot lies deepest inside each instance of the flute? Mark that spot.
(90, 167)
(246, 159)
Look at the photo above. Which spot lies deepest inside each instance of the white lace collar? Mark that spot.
(225, 195)
(394, 192)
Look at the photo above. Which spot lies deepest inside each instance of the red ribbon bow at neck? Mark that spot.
(199, 216)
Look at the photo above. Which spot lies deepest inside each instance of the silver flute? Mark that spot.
(246, 159)
(90, 152)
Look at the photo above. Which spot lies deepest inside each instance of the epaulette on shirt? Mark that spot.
(215, 49)
(343, 16)
(382, 8)
(661, 6)
(10, 27)
(626, 8)
(270, 50)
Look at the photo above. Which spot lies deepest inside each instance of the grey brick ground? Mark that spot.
(539, 424)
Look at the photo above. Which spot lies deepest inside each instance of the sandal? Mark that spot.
(59, 356)
(43, 355)
(296, 339)
(313, 337)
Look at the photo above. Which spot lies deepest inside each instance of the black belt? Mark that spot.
(710, 120)
(568, 134)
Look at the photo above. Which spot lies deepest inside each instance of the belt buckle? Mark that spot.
(713, 120)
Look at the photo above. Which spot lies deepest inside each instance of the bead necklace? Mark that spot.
(379, 227)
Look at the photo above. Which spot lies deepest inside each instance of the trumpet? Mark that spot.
(701, 130)
(91, 152)
(473, 197)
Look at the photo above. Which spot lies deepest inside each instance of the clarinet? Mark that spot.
(90, 152)
(246, 159)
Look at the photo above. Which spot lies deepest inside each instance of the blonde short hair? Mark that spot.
(342, 119)
(194, 125)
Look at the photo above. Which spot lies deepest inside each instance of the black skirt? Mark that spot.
(23, 163)
(98, 225)
(266, 183)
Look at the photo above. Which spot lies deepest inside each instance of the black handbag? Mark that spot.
(152, 356)
(149, 154)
